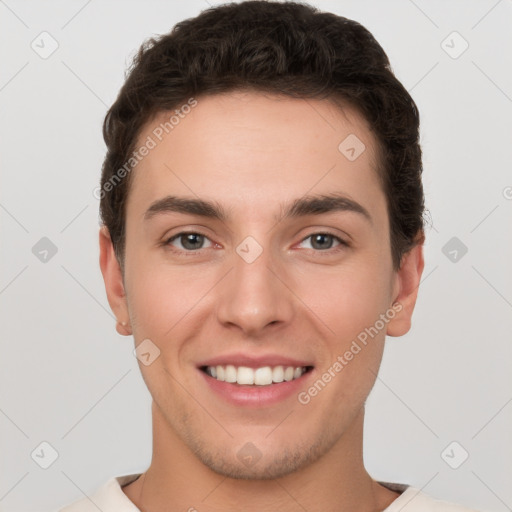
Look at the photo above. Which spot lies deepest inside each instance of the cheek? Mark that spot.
(347, 298)
(162, 296)
(349, 302)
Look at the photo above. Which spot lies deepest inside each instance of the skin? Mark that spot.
(251, 152)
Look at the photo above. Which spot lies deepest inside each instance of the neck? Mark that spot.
(177, 480)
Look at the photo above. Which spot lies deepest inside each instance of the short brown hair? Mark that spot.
(286, 48)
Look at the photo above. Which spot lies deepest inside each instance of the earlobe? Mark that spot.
(408, 280)
(114, 284)
(123, 328)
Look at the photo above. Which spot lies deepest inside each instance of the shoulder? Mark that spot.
(415, 500)
(107, 498)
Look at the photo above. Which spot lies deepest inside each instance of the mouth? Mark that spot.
(253, 377)
(255, 380)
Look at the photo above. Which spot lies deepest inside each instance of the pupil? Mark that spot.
(321, 237)
(190, 239)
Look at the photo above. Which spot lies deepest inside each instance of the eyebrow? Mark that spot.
(307, 205)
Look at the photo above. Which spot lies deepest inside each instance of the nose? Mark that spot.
(254, 297)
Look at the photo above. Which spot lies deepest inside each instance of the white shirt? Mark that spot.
(110, 498)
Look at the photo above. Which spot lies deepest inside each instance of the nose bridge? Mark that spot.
(252, 296)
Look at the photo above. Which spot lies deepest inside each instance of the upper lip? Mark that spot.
(254, 361)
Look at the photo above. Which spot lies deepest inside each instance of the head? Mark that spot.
(253, 116)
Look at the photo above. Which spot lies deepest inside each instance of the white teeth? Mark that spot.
(288, 373)
(230, 373)
(263, 376)
(278, 374)
(245, 375)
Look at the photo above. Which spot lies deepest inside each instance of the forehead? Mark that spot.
(252, 150)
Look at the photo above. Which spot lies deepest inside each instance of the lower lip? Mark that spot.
(256, 396)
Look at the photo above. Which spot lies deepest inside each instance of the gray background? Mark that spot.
(69, 379)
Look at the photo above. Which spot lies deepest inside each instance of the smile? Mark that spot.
(263, 376)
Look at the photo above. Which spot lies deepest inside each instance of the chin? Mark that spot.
(259, 461)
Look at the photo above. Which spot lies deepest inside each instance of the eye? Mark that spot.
(193, 241)
(189, 241)
(324, 241)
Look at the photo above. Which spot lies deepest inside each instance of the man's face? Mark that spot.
(256, 290)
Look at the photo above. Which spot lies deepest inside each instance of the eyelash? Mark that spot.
(342, 243)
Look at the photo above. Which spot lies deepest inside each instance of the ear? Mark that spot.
(114, 285)
(405, 290)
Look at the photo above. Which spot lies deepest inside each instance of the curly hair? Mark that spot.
(287, 48)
